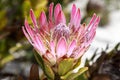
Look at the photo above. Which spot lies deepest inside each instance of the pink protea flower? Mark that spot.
(54, 39)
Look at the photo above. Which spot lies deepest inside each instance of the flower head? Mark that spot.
(54, 39)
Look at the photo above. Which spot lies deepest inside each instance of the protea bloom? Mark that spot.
(56, 40)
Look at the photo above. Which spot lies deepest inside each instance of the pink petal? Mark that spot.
(33, 38)
(50, 57)
(91, 31)
(80, 53)
(43, 23)
(89, 38)
(73, 13)
(92, 36)
(77, 19)
(26, 34)
(60, 18)
(43, 20)
(81, 30)
(39, 42)
(61, 47)
(50, 24)
(52, 47)
(33, 17)
(51, 11)
(57, 10)
(71, 48)
(28, 29)
(96, 22)
(91, 21)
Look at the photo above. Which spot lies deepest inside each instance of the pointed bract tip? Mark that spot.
(98, 18)
(42, 13)
(33, 17)
(31, 11)
(51, 4)
(26, 22)
(74, 5)
(94, 14)
(58, 6)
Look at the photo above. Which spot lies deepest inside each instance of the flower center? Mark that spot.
(61, 30)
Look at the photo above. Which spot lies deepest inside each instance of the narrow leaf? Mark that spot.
(78, 62)
(45, 67)
(72, 75)
(39, 60)
(49, 72)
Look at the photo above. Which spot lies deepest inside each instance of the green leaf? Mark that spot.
(72, 75)
(45, 67)
(65, 65)
(81, 77)
(39, 60)
(49, 72)
(78, 62)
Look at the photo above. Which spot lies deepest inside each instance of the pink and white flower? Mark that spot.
(54, 39)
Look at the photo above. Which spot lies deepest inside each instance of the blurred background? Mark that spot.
(16, 54)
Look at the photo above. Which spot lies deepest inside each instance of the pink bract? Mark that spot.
(54, 39)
